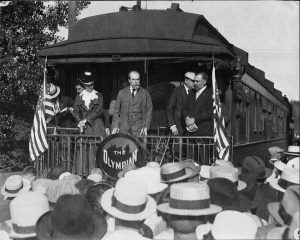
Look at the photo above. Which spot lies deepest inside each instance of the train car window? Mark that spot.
(247, 117)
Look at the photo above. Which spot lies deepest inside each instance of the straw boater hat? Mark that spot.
(293, 151)
(291, 232)
(150, 177)
(255, 165)
(53, 91)
(230, 173)
(126, 168)
(25, 210)
(204, 172)
(71, 218)
(293, 163)
(289, 177)
(174, 172)
(189, 199)
(283, 211)
(14, 186)
(129, 200)
(96, 177)
(233, 225)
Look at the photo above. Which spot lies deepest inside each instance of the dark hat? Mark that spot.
(87, 78)
(55, 172)
(255, 165)
(224, 193)
(71, 218)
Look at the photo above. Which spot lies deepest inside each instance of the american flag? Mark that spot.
(38, 141)
(49, 105)
(220, 138)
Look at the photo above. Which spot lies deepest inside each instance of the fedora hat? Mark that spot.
(52, 91)
(228, 172)
(71, 218)
(283, 211)
(255, 165)
(150, 177)
(25, 211)
(293, 150)
(233, 225)
(120, 203)
(14, 186)
(189, 199)
(176, 171)
(289, 177)
(293, 163)
(223, 192)
(40, 185)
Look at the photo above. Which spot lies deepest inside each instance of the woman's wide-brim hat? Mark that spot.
(52, 91)
(14, 186)
(106, 203)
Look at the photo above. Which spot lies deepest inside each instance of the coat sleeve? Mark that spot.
(207, 113)
(170, 108)
(76, 110)
(97, 110)
(117, 111)
(186, 107)
(149, 109)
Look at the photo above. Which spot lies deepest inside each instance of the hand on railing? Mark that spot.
(82, 123)
(143, 132)
(115, 130)
(174, 130)
(107, 131)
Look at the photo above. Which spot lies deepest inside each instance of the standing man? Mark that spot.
(176, 103)
(198, 115)
(198, 109)
(133, 108)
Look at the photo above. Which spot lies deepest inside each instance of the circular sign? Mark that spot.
(118, 150)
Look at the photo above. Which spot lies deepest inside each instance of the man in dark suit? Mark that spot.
(133, 108)
(198, 109)
(198, 115)
(176, 103)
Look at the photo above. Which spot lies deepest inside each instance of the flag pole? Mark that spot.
(45, 79)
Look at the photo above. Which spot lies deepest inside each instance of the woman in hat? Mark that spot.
(87, 111)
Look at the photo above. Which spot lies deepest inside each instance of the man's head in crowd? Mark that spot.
(29, 173)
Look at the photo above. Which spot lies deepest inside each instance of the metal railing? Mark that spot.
(77, 152)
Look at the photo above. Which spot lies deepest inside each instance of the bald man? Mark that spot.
(133, 108)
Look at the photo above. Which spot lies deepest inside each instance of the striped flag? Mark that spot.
(49, 105)
(38, 141)
(220, 138)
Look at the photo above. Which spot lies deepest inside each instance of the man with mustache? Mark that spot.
(133, 108)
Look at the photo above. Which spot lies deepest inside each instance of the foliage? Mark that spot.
(25, 27)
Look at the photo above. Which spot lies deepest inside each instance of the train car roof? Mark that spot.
(140, 33)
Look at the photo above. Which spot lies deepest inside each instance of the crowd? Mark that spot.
(178, 200)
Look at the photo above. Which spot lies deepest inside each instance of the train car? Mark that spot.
(162, 45)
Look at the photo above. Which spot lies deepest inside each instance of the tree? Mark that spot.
(25, 27)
